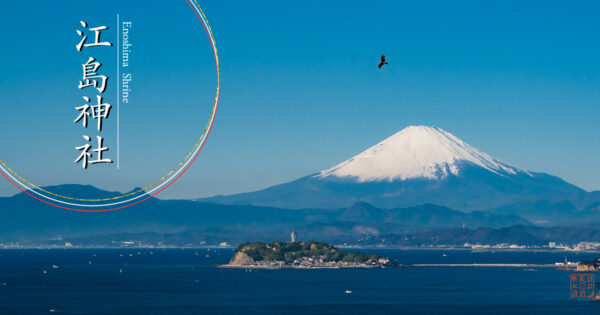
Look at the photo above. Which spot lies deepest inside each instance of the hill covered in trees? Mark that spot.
(290, 252)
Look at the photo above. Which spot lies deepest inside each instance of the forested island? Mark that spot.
(302, 255)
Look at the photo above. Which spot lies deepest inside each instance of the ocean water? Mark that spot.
(176, 281)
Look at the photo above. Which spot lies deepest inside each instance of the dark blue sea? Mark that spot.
(176, 281)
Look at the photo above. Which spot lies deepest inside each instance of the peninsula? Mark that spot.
(302, 255)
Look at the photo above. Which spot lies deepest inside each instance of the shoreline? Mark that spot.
(476, 250)
(547, 250)
(228, 266)
(488, 265)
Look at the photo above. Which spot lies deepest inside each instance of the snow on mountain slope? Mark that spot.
(416, 152)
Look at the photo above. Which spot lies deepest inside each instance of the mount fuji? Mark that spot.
(420, 165)
(413, 153)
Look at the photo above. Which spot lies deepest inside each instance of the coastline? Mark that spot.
(399, 266)
(228, 266)
(548, 250)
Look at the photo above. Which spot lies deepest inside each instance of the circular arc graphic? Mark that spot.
(173, 175)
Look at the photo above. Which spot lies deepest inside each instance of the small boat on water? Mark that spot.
(55, 266)
(348, 292)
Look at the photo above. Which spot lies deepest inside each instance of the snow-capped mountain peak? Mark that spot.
(416, 152)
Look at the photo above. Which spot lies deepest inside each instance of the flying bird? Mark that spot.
(383, 62)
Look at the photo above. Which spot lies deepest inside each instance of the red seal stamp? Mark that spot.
(582, 285)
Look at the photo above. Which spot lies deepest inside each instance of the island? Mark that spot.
(302, 255)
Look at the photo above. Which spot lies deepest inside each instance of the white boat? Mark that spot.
(55, 266)
(348, 292)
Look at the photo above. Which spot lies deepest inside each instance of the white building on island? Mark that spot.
(293, 236)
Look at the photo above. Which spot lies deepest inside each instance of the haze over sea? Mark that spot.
(186, 281)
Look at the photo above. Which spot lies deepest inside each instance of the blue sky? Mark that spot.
(300, 87)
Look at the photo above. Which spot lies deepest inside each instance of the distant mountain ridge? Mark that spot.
(22, 217)
(420, 179)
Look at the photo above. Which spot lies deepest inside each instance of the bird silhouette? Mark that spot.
(383, 62)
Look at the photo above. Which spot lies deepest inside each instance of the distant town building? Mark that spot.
(126, 243)
(293, 236)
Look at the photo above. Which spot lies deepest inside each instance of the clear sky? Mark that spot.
(300, 87)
